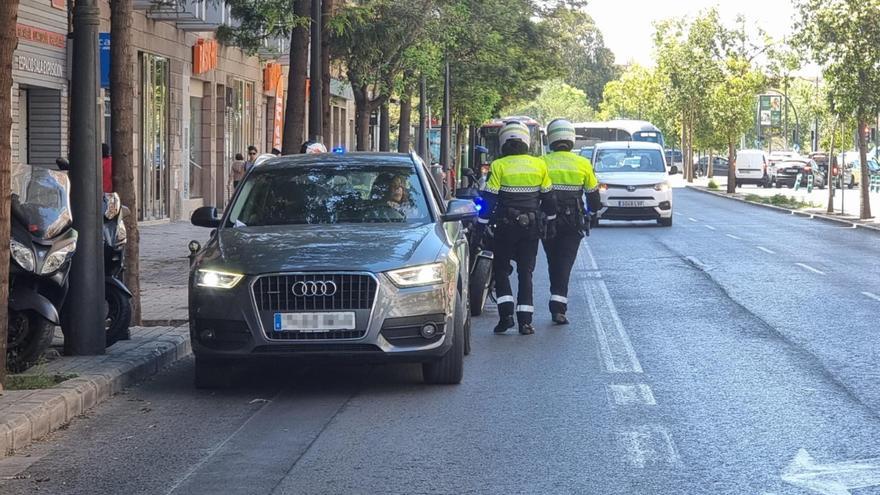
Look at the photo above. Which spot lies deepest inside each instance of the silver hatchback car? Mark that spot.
(347, 256)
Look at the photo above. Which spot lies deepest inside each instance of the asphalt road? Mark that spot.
(735, 352)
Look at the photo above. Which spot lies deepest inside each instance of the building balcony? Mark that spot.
(188, 15)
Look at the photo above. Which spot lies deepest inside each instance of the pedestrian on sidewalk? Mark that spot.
(252, 157)
(107, 168)
(237, 173)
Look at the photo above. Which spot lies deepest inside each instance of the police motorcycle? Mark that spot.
(481, 274)
(42, 244)
(116, 295)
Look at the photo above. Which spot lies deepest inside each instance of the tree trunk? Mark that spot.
(404, 136)
(295, 114)
(328, 9)
(864, 182)
(384, 128)
(122, 142)
(8, 41)
(363, 109)
(710, 173)
(731, 166)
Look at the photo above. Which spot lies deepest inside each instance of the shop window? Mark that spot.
(155, 178)
(195, 147)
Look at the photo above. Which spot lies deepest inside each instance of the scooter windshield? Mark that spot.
(41, 200)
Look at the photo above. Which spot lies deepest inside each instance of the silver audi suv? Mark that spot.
(347, 256)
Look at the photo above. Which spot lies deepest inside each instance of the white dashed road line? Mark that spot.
(733, 237)
(810, 268)
(762, 248)
(692, 219)
(709, 227)
(872, 296)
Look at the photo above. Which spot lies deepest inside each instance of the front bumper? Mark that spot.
(230, 324)
(643, 203)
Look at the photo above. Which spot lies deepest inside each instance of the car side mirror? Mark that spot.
(459, 209)
(206, 216)
(673, 170)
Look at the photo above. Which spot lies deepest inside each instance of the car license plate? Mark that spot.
(314, 322)
(630, 204)
(793, 171)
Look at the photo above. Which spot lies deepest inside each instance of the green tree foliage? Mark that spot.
(587, 62)
(843, 37)
(556, 100)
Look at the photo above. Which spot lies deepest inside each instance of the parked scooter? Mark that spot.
(481, 274)
(42, 243)
(116, 294)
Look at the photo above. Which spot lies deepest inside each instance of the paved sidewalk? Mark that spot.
(28, 415)
(164, 270)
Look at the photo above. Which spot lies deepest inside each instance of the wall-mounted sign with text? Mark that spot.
(38, 65)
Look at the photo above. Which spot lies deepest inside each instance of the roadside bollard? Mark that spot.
(810, 182)
(797, 182)
(875, 183)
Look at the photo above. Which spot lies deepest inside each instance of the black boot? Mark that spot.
(560, 319)
(504, 324)
(526, 329)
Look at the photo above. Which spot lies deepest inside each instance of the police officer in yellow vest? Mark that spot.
(572, 175)
(520, 202)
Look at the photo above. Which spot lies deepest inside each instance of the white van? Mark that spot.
(751, 168)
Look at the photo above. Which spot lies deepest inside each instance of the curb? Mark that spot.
(789, 211)
(44, 411)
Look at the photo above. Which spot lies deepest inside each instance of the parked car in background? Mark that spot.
(850, 165)
(785, 173)
(675, 161)
(720, 165)
(751, 168)
(776, 158)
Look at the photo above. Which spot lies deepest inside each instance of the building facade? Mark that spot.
(197, 103)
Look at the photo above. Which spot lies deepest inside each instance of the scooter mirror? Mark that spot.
(194, 247)
(62, 164)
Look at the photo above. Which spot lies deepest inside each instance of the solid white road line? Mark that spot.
(709, 227)
(762, 248)
(808, 267)
(872, 296)
(615, 348)
(733, 237)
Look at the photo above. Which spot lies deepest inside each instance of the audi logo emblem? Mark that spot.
(313, 289)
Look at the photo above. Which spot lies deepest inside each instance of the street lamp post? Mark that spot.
(423, 116)
(316, 107)
(86, 317)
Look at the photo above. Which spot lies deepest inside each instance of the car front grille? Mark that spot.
(283, 294)
(353, 292)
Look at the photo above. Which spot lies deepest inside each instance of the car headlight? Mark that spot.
(603, 187)
(217, 280)
(417, 275)
(22, 255)
(56, 259)
(114, 205)
(663, 186)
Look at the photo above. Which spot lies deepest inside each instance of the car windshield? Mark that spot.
(629, 160)
(331, 195)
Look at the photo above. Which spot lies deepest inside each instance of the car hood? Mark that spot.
(350, 247)
(631, 178)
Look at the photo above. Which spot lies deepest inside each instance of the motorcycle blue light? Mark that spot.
(339, 150)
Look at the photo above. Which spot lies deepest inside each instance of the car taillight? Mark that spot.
(808, 169)
(834, 171)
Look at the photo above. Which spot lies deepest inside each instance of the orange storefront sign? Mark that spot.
(37, 35)
(205, 55)
(271, 76)
(60, 4)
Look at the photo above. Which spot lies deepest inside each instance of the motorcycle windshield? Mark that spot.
(41, 200)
